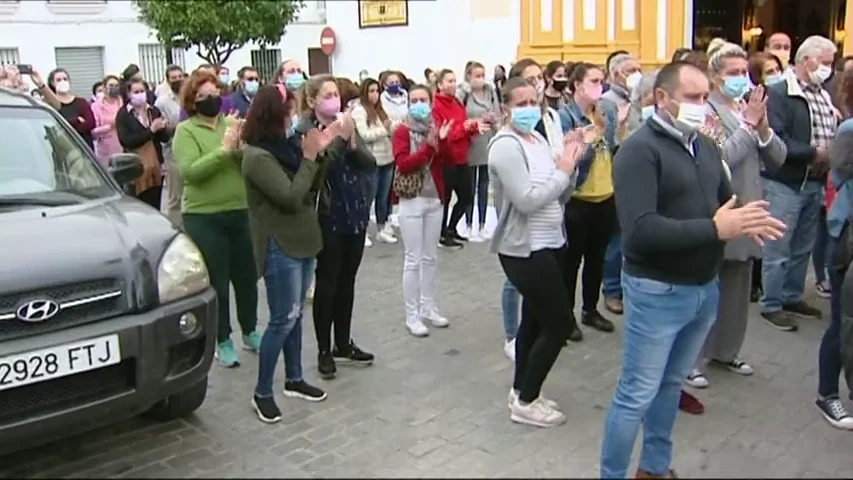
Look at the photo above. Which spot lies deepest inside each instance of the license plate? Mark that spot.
(60, 361)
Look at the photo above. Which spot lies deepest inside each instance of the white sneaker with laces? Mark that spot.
(509, 349)
(436, 319)
(737, 366)
(513, 396)
(538, 414)
(697, 379)
(367, 242)
(386, 234)
(417, 328)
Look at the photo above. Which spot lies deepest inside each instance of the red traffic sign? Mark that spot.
(328, 41)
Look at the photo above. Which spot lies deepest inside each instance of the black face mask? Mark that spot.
(176, 86)
(560, 85)
(209, 107)
(113, 91)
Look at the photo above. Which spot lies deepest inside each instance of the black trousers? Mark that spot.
(545, 313)
(457, 178)
(334, 288)
(589, 227)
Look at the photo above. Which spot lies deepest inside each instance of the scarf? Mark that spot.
(418, 132)
(286, 151)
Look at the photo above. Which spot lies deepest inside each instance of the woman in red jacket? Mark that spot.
(420, 188)
(454, 158)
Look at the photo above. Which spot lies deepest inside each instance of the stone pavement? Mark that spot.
(436, 407)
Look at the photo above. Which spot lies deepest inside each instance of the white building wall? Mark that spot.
(441, 33)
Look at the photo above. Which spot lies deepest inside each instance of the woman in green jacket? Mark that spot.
(207, 151)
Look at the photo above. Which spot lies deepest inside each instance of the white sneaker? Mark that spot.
(394, 220)
(436, 319)
(513, 396)
(417, 328)
(538, 414)
(484, 234)
(386, 234)
(509, 349)
(367, 242)
(697, 379)
(309, 295)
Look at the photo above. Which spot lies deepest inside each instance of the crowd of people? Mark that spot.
(734, 172)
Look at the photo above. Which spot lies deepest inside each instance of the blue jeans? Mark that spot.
(611, 286)
(480, 187)
(287, 280)
(786, 260)
(665, 327)
(819, 252)
(829, 354)
(382, 178)
(510, 303)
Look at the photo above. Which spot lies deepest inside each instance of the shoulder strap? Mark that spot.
(516, 140)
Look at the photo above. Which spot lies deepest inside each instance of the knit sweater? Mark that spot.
(212, 177)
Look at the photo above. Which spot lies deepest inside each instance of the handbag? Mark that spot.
(409, 185)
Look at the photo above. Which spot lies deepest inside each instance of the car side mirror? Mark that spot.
(125, 168)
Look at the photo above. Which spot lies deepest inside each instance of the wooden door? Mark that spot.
(318, 62)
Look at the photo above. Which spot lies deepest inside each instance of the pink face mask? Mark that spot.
(329, 107)
(593, 91)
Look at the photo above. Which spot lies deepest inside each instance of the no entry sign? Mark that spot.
(328, 41)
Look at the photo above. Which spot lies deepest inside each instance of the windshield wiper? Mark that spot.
(37, 200)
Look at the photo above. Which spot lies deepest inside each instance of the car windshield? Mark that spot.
(41, 163)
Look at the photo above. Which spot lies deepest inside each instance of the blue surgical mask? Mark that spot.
(735, 87)
(293, 81)
(251, 87)
(419, 111)
(771, 79)
(647, 112)
(224, 78)
(525, 118)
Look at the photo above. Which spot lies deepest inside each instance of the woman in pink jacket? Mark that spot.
(105, 111)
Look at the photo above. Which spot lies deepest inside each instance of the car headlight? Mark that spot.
(182, 271)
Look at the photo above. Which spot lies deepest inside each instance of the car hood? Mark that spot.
(117, 238)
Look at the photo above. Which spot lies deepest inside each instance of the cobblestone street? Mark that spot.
(436, 407)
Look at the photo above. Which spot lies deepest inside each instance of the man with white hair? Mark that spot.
(800, 111)
(624, 72)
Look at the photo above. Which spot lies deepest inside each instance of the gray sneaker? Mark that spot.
(780, 320)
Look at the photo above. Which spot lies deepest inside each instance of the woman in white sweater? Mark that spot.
(395, 98)
(375, 127)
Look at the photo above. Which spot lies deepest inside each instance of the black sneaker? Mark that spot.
(597, 321)
(780, 320)
(266, 409)
(448, 242)
(457, 236)
(352, 355)
(804, 309)
(303, 390)
(326, 365)
(835, 413)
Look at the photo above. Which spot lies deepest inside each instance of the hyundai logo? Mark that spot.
(37, 311)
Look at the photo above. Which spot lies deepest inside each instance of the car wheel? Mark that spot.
(180, 404)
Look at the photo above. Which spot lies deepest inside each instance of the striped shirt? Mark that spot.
(545, 225)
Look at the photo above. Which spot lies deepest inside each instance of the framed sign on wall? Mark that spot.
(383, 13)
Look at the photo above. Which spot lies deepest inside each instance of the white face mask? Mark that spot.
(633, 80)
(691, 116)
(820, 75)
(63, 86)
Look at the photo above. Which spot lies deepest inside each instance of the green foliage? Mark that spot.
(217, 28)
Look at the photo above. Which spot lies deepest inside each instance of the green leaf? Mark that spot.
(217, 28)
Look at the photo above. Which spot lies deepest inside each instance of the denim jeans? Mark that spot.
(510, 304)
(819, 252)
(611, 285)
(287, 280)
(382, 178)
(480, 187)
(665, 326)
(786, 260)
(829, 355)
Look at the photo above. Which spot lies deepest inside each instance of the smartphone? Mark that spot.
(25, 69)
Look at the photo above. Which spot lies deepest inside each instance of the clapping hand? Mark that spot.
(573, 147)
(158, 124)
(622, 113)
(751, 220)
(231, 139)
(314, 141)
(587, 134)
(444, 130)
(755, 112)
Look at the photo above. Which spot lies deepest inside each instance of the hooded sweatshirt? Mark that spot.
(444, 109)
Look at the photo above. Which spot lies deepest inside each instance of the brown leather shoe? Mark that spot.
(642, 474)
(614, 305)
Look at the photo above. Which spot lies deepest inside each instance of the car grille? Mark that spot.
(89, 302)
(61, 393)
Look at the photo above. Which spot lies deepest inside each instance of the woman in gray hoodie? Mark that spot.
(531, 185)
